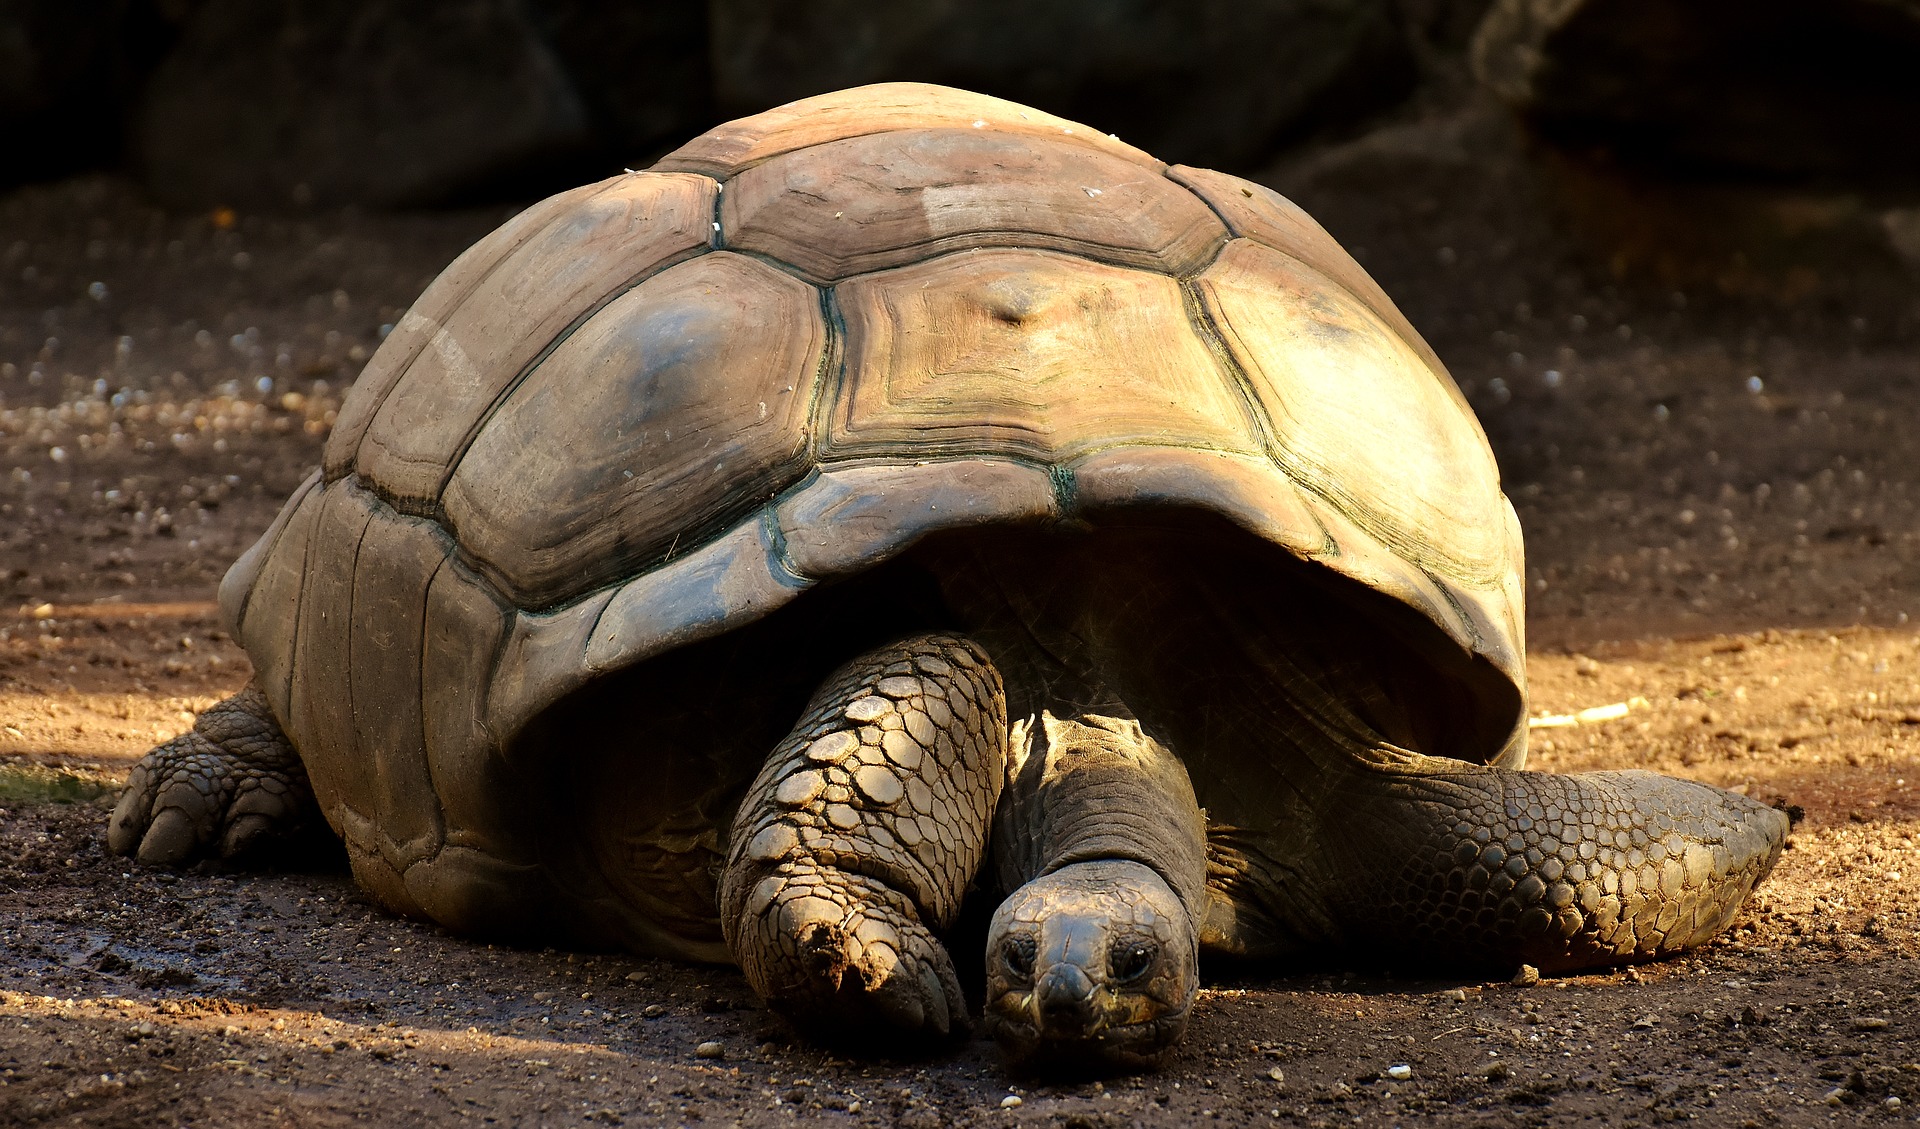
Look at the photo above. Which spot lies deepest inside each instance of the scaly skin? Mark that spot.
(856, 842)
(1489, 866)
(1092, 961)
(233, 784)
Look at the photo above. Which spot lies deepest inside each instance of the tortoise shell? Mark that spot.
(652, 410)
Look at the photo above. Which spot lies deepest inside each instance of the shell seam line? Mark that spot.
(509, 616)
(593, 629)
(1460, 612)
(828, 284)
(353, 603)
(779, 557)
(1066, 489)
(1201, 320)
(940, 247)
(1312, 501)
(300, 611)
(873, 452)
(1232, 231)
(830, 377)
(1219, 249)
(426, 754)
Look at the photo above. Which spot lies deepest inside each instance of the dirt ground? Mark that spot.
(1711, 457)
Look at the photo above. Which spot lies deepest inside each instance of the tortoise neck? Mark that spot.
(1096, 788)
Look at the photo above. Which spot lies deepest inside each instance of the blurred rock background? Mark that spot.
(1725, 143)
(391, 102)
(401, 102)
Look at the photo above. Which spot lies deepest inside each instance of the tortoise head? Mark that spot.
(1092, 966)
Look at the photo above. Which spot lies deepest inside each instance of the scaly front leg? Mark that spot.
(857, 840)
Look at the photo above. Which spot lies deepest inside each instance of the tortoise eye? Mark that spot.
(1018, 953)
(1131, 960)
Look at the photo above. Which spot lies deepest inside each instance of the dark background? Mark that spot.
(301, 103)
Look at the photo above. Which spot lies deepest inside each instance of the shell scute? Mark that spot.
(1357, 416)
(465, 624)
(322, 721)
(268, 618)
(684, 402)
(398, 559)
(887, 199)
(475, 352)
(725, 150)
(1030, 353)
(850, 518)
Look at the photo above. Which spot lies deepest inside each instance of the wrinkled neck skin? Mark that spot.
(1092, 960)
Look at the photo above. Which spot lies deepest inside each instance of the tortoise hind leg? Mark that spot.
(855, 843)
(234, 787)
(1481, 865)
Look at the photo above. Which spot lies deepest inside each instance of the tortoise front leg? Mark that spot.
(234, 786)
(858, 838)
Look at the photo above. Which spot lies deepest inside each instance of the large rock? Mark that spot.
(378, 102)
(1207, 82)
(1803, 88)
(68, 72)
(641, 70)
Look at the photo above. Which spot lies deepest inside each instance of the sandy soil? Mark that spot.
(1733, 565)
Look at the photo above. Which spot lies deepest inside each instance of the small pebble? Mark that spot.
(636, 976)
(1277, 1074)
(1400, 1072)
(653, 1011)
(1457, 995)
(1011, 1101)
(1527, 977)
(712, 1048)
(1892, 1102)
(1871, 1023)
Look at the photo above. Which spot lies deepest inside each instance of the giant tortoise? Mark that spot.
(726, 560)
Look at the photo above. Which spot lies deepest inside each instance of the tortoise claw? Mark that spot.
(843, 956)
(233, 786)
(170, 838)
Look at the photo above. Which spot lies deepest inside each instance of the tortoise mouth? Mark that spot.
(1144, 1045)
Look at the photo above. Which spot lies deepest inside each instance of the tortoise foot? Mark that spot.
(232, 788)
(855, 843)
(841, 954)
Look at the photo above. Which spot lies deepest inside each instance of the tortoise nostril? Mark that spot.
(1065, 998)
